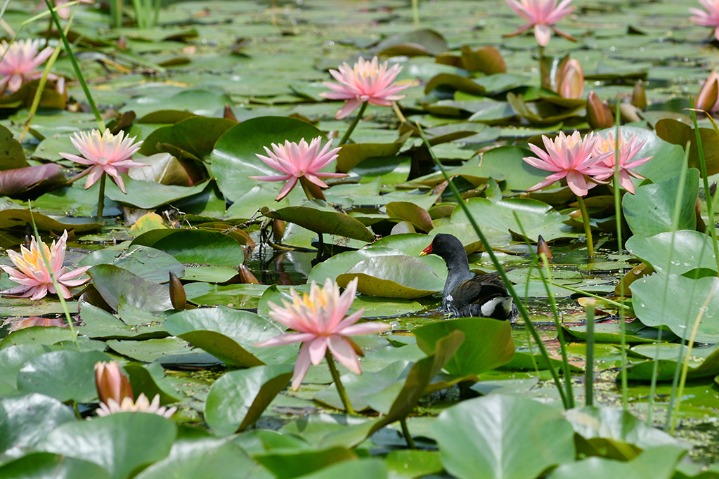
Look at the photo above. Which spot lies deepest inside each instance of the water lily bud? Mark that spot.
(599, 115)
(639, 95)
(246, 276)
(111, 382)
(543, 249)
(178, 298)
(708, 95)
(278, 230)
(570, 79)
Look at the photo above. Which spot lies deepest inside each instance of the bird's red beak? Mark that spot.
(427, 250)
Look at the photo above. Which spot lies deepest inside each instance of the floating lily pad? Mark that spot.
(195, 246)
(399, 276)
(322, 218)
(675, 252)
(678, 303)
(230, 335)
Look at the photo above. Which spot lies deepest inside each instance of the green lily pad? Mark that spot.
(664, 364)
(321, 218)
(26, 420)
(651, 209)
(195, 246)
(675, 252)
(185, 135)
(120, 442)
(150, 264)
(487, 344)
(502, 436)
(149, 194)
(657, 462)
(679, 133)
(42, 465)
(400, 276)
(678, 302)
(230, 335)
(45, 374)
(117, 285)
(238, 399)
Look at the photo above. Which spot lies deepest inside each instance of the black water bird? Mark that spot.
(466, 293)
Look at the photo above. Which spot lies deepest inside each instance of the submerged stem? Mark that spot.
(405, 432)
(338, 384)
(101, 196)
(587, 226)
(353, 125)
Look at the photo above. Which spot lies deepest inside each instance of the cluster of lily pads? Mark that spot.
(162, 257)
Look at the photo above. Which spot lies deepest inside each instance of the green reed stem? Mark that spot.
(76, 67)
(587, 226)
(415, 12)
(589, 363)
(544, 273)
(498, 266)
(353, 125)
(338, 384)
(707, 195)
(620, 248)
(685, 363)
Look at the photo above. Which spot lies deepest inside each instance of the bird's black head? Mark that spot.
(446, 246)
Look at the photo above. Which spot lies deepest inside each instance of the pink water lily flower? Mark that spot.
(106, 153)
(33, 275)
(365, 82)
(319, 318)
(629, 147)
(709, 17)
(541, 15)
(297, 161)
(571, 157)
(19, 62)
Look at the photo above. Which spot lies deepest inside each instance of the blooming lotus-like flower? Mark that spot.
(298, 161)
(33, 275)
(111, 382)
(319, 318)
(628, 149)
(19, 62)
(365, 82)
(106, 153)
(541, 15)
(17, 324)
(141, 405)
(708, 97)
(571, 157)
(709, 17)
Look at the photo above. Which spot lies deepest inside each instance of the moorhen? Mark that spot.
(466, 293)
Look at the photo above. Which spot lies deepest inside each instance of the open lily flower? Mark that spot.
(365, 82)
(142, 404)
(319, 318)
(299, 162)
(541, 15)
(19, 62)
(33, 274)
(106, 153)
(571, 157)
(709, 17)
(629, 147)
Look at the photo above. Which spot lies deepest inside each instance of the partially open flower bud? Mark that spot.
(599, 115)
(639, 95)
(709, 94)
(543, 249)
(569, 80)
(111, 382)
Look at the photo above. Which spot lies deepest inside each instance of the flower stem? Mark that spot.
(101, 196)
(352, 127)
(338, 384)
(587, 226)
(405, 432)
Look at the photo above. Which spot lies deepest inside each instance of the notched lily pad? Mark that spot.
(321, 218)
(395, 276)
